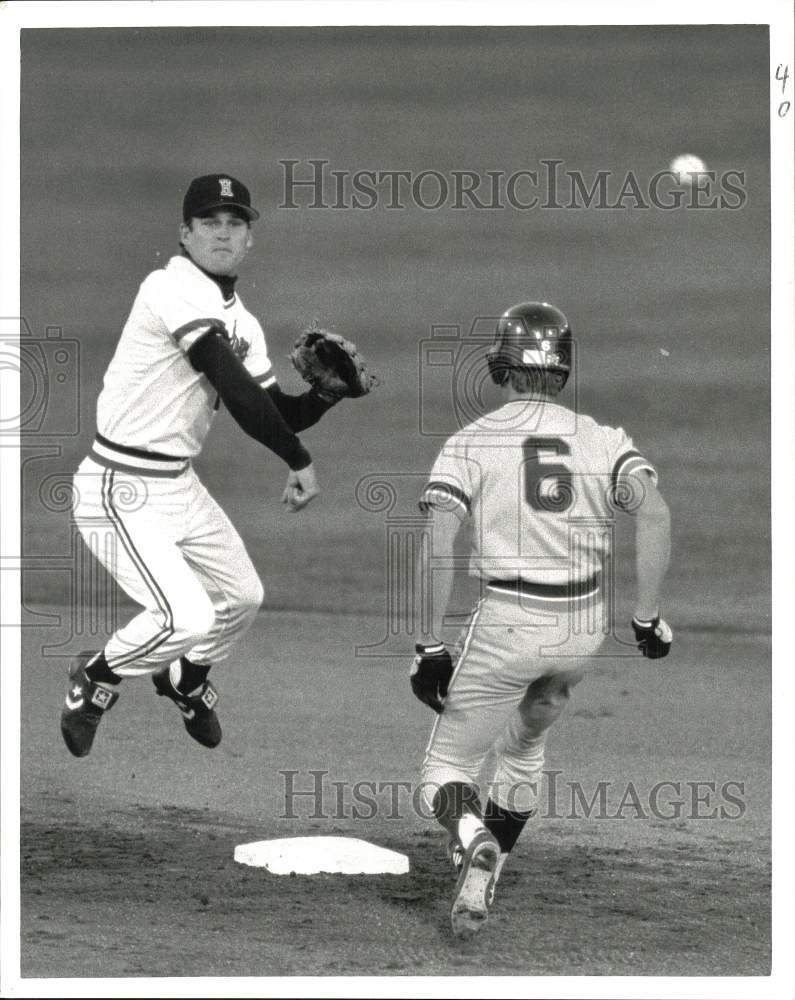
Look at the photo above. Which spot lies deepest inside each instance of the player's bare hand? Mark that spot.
(300, 489)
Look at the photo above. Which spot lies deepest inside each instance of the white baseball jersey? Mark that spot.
(541, 485)
(152, 398)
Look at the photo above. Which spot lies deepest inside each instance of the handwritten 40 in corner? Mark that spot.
(782, 75)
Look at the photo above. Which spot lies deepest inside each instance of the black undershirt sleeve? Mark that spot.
(250, 405)
(299, 412)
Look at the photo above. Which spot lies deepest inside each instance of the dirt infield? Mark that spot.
(128, 863)
(115, 900)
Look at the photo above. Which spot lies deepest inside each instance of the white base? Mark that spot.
(313, 855)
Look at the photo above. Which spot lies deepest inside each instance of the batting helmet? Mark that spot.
(530, 335)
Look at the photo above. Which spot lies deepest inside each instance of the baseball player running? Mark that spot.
(189, 345)
(538, 485)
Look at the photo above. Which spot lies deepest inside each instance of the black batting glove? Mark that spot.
(430, 674)
(653, 637)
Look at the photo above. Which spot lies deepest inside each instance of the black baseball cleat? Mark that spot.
(198, 709)
(86, 703)
(474, 888)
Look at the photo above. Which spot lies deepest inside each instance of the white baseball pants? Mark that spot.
(510, 643)
(169, 545)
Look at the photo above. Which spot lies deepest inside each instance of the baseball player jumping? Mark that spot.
(189, 345)
(538, 486)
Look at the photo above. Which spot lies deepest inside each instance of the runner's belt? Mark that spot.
(547, 591)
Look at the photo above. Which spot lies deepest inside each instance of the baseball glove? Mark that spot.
(331, 364)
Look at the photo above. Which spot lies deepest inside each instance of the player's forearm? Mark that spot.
(299, 412)
(252, 408)
(653, 551)
(436, 577)
(441, 589)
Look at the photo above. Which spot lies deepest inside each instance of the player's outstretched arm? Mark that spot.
(652, 556)
(299, 412)
(251, 407)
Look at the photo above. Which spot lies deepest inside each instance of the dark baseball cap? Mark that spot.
(217, 191)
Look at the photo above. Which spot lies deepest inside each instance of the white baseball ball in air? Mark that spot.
(686, 166)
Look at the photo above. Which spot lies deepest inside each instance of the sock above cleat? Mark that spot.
(188, 677)
(99, 671)
(505, 825)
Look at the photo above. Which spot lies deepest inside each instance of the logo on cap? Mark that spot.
(217, 191)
